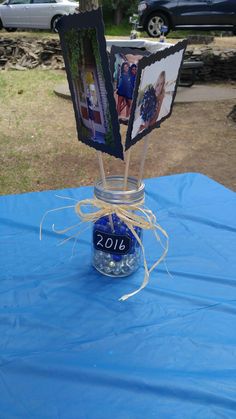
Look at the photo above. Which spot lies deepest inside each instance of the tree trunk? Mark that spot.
(118, 16)
(87, 5)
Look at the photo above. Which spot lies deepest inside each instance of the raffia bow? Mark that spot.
(145, 219)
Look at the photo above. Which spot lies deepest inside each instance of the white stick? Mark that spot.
(126, 168)
(144, 154)
(102, 171)
(103, 176)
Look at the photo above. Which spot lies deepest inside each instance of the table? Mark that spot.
(70, 350)
(189, 72)
(152, 46)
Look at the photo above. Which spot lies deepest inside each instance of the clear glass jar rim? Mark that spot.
(114, 192)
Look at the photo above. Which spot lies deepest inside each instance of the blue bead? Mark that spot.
(102, 227)
(117, 229)
(122, 229)
(108, 228)
(105, 220)
(130, 234)
(138, 230)
(102, 222)
(116, 258)
(115, 218)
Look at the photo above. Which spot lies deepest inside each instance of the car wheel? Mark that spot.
(54, 22)
(234, 30)
(154, 24)
(11, 29)
(1, 25)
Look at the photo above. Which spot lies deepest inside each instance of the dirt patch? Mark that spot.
(198, 138)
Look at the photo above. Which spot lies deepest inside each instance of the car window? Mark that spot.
(43, 1)
(19, 2)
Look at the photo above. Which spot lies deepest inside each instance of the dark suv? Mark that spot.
(186, 14)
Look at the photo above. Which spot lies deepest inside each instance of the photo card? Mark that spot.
(155, 90)
(123, 64)
(87, 67)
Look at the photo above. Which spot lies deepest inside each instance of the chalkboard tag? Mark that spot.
(111, 243)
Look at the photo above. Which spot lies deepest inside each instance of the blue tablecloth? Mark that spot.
(70, 350)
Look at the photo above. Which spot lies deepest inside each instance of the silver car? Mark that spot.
(34, 14)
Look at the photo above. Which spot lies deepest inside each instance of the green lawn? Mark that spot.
(30, 129)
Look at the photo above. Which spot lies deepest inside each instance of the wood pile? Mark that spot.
(24, 53)
(218, 64)
(200, 39)
(232, 114)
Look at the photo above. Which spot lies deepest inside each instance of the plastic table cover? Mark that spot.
(151, 46)
(69, 349)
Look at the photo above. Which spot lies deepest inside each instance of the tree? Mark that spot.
(119, 9)
(118, 6)
(86, 5)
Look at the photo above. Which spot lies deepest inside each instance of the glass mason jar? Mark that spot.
(116, 251)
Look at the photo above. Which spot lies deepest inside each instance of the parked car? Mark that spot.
(186, 14)
(34, 14)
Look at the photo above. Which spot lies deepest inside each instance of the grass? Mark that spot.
(3, 85)
(27, 132)
(39, 149)
(121, 30)
(13, 83)
(38, 141)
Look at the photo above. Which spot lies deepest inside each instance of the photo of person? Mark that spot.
(89, 89)
(90, 105)
(126, 87)
(124, 63)
(155, 91)
(87, 67)
(152, 101)
(133, 72)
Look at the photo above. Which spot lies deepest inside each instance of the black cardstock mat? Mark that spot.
(142, 64)
(92, 20)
